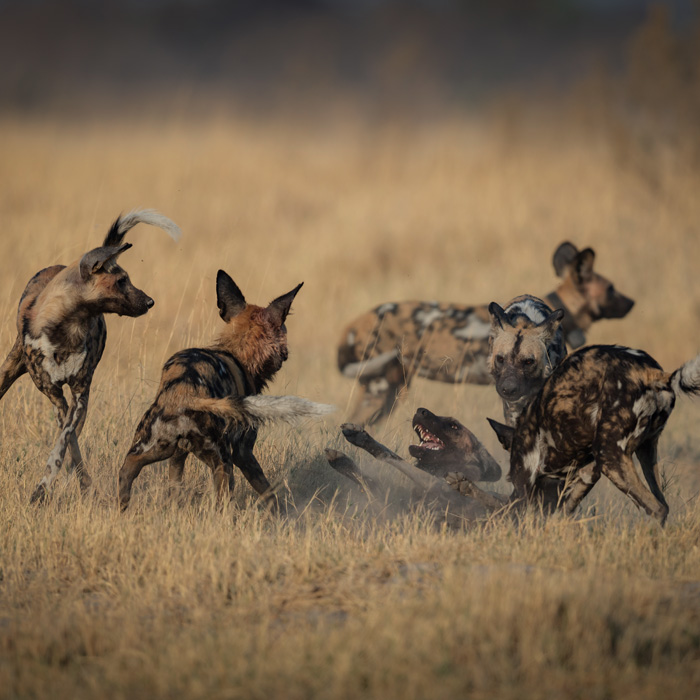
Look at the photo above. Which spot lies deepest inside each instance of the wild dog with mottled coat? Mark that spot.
(208, 402)
(385, 348)
(601, 406)
(525, 345)
(62, 333)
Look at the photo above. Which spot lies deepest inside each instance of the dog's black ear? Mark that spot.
(229, 297)
(499, 319)
(551, 325)
(100, 260)
(504, 433)
(279, 308)
(564, 255)
(583, 266)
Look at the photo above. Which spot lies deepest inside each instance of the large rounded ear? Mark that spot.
(504, 433)
(564, 255)
(229, 298)
(279, 308)
(583, 266)
(550, 325)
(499, 318)
(100, 260)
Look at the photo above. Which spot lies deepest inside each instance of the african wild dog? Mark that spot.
(525, 345)
(447, 446)
(386, 347)
(603, 404)
(208, 404)
(62, 333)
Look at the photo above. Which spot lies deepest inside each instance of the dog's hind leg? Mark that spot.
(245, 460)
(574, 492)
(646, 454)
(135, 461)
(619, 468)
(12, 368)
(74, 460)
(377, 397)
(221, 471)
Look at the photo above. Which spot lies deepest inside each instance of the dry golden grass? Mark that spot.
(177, 598)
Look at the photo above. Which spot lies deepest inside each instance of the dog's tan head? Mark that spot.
(518, 359)
(255, 335)
(588, 296)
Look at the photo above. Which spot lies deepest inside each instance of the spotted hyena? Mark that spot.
(62, 333)
(601, 406)
(385, 348)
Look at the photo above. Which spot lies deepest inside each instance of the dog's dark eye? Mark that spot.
(500, 359)
(121, 282)
(529, 361)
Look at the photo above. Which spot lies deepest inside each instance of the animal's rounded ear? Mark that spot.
(100, 260)
(229, 297)
(504, 433)
(583, 266)
(564, 255)
(499, 319)
(551, 325)
(279, 308)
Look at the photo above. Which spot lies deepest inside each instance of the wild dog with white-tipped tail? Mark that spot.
(601, 406)
(208, 402)
(62, 333)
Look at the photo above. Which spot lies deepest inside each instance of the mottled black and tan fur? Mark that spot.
(601, 406)
(385, 348)
(61, 333)
(525, 345)
(208, 404)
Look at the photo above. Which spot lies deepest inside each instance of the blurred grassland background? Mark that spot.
(383, 153)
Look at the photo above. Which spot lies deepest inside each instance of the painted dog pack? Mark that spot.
(385, 348)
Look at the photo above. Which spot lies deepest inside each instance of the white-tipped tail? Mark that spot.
(256, 410)
(370, 369)
(152, 218)
(686, 379)
(290, 409)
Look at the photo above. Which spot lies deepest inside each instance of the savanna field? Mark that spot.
(341, 598)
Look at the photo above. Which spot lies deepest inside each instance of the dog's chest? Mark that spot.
(60, 366)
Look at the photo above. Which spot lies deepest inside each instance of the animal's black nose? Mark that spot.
(150, 302)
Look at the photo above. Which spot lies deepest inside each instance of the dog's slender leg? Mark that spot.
(176, 467)
(245, 460)
(646, 454)
(619, 468)
(219, 471)
(12, 368)
(75, 459)
(58, 453)
(134, 462)
(584, 480)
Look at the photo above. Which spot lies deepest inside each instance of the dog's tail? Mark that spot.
(686, 379)
(252, 411)
(126, 222)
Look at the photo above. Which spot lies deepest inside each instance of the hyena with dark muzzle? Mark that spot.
(601, 406)
(385, 348)
(208, 402)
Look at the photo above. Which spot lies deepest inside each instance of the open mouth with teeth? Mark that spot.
(428, 441)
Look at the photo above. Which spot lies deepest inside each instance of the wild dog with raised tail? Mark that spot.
(208, 402)
(385, 348)
(601, 406)
(61, 333)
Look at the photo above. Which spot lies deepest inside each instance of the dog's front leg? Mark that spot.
(58, 454)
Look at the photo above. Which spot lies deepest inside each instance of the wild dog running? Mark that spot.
(601, 406)
(208, 402)
(62, 333)
(384, 349)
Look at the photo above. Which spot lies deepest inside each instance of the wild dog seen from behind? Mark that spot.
(601, 406)
(208, 403)
(61, 333)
